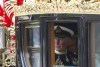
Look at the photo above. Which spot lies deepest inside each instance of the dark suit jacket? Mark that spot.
(70, 58)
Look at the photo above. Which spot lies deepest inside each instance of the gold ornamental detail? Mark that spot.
(86, 7)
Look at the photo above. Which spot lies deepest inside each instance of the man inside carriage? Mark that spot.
(65, 46)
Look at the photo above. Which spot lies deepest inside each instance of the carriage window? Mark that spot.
(66, 43)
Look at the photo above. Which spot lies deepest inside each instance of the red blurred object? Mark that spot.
(11, 51)
(8, 21)
(14, 37)
(12, 45)
(8, 13)
(1, 11)
(20, 2)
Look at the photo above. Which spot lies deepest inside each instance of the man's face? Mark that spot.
(61, 44)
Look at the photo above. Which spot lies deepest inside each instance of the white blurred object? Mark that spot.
(63, 66)
(23, 18)
(13, 1)
(58, 65)
(31, 1)
(2, 37)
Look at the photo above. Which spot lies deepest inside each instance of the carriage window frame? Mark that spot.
(45, 29)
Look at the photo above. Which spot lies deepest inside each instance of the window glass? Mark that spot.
(66, 43)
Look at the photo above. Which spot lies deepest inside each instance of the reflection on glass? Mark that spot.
(66, 45)
(2, 37)
(34, 37)
(97, 44)
(35, 59)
